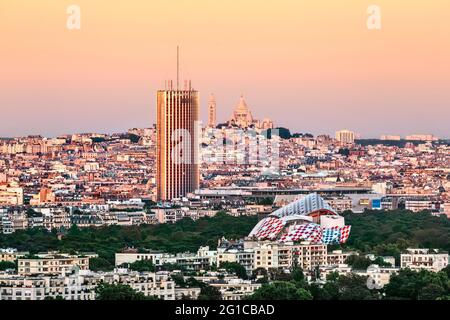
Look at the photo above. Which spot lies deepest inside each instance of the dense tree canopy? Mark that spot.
(281, 290)
(378, 232)
(100, 264)
(418, 285)
(5, 265)
(209, 293)
(390, 232)
(235, 268)
(361, 262)
(106, 291)
(186, 235)
(142, 266)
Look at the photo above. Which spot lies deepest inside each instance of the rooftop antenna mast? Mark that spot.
(178, 68)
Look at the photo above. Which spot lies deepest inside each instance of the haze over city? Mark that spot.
(311, 67)
(246, 152)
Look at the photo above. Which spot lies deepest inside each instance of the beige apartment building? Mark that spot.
(337, 257)
(11, 195)
(11, 255)
(285, 256)
(52, 263)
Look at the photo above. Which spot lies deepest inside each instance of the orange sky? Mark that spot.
(311, 66)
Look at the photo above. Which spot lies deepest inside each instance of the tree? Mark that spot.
(344, 152)
(358, 262)
(235, 268)
(354, 287)
(106, 291)
(403, 285)
(5, 265)
(283, 133)
(431, 292)
(279, 275)
(98, 139)
(100, 264)
(304, 294)
(32, 213)
(391, 232)
(327, 291)
(179, 280)
(208, 292)
(447, 271)
(413, 285)
(132, 137)
(297, 274)
(259, 272)
(183, 236)
(262, 280)
(266, 201)
(142, 266)
(194, 283)
(59, 298)
(281, 290)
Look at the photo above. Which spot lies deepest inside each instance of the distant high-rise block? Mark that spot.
(212, 111)
(345, 136)
(177, 113)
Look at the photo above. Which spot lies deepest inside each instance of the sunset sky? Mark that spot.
(312, 66)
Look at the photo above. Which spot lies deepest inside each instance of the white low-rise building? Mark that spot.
(81, 285)
(378, 277)
(52, 263)
(203, 259)
(428, 259)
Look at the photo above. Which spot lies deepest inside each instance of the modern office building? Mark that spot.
(177, 147)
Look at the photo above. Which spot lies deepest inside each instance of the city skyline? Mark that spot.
(316, 62)
(251, 151)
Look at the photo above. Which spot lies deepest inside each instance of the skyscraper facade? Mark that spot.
(177, 143)
(212, 111)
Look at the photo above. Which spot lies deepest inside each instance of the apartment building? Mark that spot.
(230, 286)
(340, 204)
(81, 285)
(337, 257)
(11, 195)
(285, 256)
(245, 257)
(201, 260)
(428, 259)
(168, 215)
(235, 289)
(187, 293)
(53, 263)
(378, 277)
(11, 255)
(417, 205)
